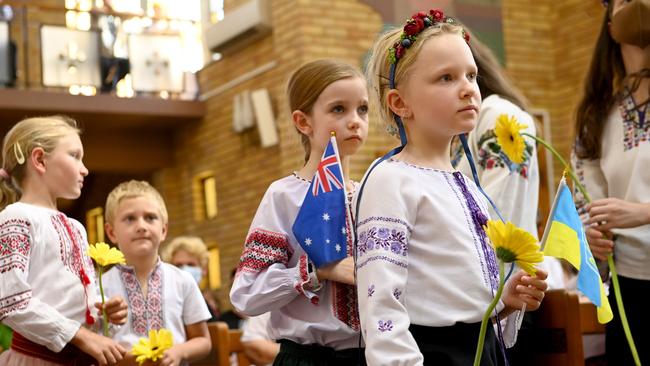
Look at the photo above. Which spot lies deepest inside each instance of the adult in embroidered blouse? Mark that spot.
(159, 294)
(308, 306)
(611, 158)
(42, 161)
(514, 188)
(424, 266)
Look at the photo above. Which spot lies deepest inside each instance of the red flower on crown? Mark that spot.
(414, 26)
(437, 15)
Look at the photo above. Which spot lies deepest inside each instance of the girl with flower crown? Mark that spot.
(314, 312)
(611, 158)
(47, 287)
(425, 270)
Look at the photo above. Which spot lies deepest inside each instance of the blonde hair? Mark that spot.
(18, 144)
(133, 189)
(378, 70)
(308, 82)
(191, 244)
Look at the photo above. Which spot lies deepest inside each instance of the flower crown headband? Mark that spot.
(413, 27)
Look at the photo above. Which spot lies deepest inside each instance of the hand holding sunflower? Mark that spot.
(154, 347)
(104, 256)
(513, 244)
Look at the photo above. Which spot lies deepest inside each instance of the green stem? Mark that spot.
(566, 165)
(101, 291)
(487, 316)
(610, 258)
(621, 310)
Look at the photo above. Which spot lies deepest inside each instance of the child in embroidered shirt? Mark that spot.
(425, 271)
(313, 312)
(611, 158)
(160, 295)
(42, 162)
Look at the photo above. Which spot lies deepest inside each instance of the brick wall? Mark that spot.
(548, 48)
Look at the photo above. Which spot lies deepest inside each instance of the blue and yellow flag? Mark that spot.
(564, 237)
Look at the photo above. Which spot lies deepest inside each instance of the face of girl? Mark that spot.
(342, 108)
(440, 93)
(64, 168)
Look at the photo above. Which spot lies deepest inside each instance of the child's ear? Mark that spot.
(302, 122)
(110, 232)
(37, 159)
(397, 104)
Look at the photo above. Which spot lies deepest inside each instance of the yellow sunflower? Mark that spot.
(104, 255)
(508, 137)
(513, 244)
(152, 348)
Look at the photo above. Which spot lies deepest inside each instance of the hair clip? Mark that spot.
(20, 158)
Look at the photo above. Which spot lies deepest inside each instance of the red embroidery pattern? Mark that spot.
(14, 302)
(146, 314)
(71, 256)
(344, 299)
(70, 244)
(15, 245)
(304, 282)
(264, 248)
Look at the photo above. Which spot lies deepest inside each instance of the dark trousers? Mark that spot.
(456, 345)
(294, 354)
(638, 318)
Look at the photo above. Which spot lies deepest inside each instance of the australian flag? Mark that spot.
(321, 226)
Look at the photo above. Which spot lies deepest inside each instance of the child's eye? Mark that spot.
(129, 218)
(151, 217)
(338, 109)
(446, 78)
(472, 76)
(363, 109)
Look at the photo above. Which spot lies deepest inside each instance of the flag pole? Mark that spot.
(547, 228)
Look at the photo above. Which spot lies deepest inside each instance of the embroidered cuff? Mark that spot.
(307, 282)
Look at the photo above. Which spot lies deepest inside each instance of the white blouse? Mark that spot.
(173, 300)
(42, 256)
(514, 188)
(273, 276)
(622, 172)
(421, 258)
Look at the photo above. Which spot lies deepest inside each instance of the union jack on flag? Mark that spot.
(321, 226)
(328, 173)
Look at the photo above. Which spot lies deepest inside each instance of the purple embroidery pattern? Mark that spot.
(402, 264)
(635, 128)
(371, 290)
(479, 219)
(397, 293)
(385, 326)
(391, 220)
(377, 238)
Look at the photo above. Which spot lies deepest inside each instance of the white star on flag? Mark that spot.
(326, 217)
(327, 241)
(343, 231)
(308, 241)
(338, 248)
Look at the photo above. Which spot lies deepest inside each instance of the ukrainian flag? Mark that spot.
(564, 237)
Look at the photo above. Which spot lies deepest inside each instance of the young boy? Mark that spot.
(159, 294)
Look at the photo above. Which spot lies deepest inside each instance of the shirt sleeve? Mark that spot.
(25, 314)
(509, 185)
(382, 270)
(265, 280)
(195, 309)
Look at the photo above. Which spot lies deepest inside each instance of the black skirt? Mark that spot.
(456, 345)
(294, 354)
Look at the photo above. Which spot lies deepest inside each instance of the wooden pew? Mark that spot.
(224, 342)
